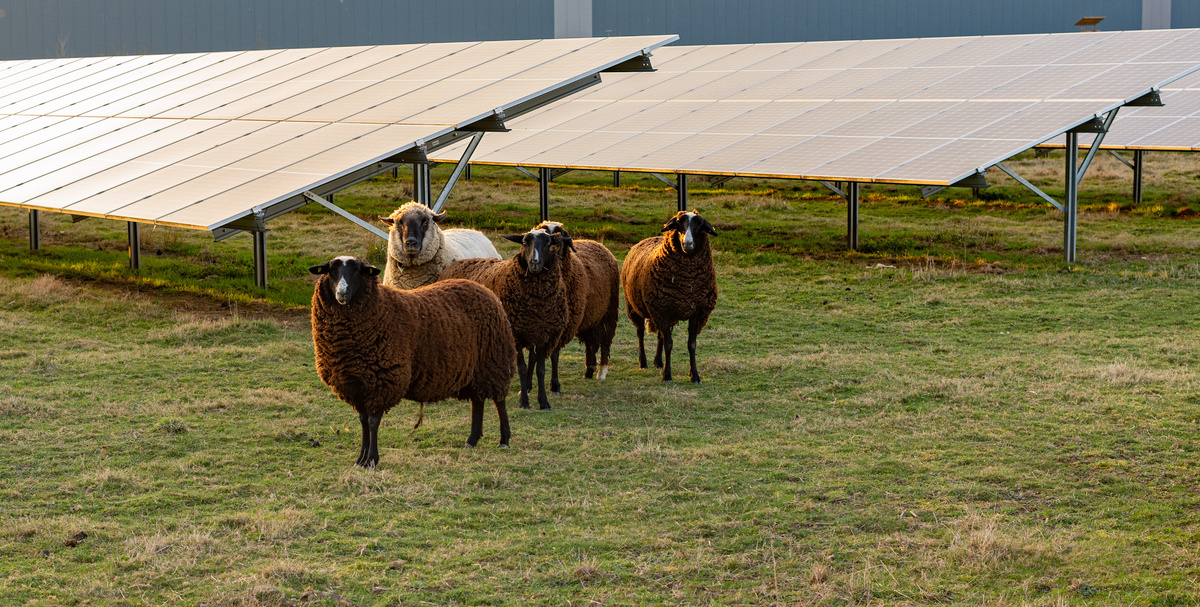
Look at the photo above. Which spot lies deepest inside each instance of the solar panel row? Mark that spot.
(926, 111)
(201, 140)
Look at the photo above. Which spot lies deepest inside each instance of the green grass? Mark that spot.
(980, 424)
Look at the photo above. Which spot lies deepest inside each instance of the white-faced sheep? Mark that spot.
(591, 270)
(418, 250)
(670, 278)
(531, 287)
(376, 345)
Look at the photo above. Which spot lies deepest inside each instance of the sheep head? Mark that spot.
(344, 277)
(412, 231)
(554, 227)
(539, 250)
(689, 230)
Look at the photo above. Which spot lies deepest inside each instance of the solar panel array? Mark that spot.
(201, 140)
(929, 111)
(1173, 127)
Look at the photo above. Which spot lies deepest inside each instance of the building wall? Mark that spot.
(725, 22)
(73, 28)
(68, 28)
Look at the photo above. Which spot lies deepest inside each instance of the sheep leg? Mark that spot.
(665, 342)
(540, 353)
(373, 457)
(658, 361)
(365, 450)
(476, 420)
(524, 373)
(555, 387)
(589, 357)
(639, 323)
(693, 331)
(502, 413)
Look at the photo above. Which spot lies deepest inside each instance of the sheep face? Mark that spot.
(345, 277)
(410, 224)
(539, 250)
(689, 230)
(554, 227)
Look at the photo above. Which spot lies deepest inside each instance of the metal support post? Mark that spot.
(1071, 202)
(396, 173)
(1138, 159)
(260, 258)
(852, 214)
(135, 245)
(681, 194)
(467, 172)
(422, 183)
(616, 179)
(544, 192)
(35, 233)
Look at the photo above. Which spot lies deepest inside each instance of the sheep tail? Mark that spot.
(420, 418)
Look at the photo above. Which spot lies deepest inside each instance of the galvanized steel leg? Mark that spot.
(544, 193)
(852, 215)
(1138, 159)
(422, 183)
(616, 179)
(135, 245)
(681, 194)
(260, 259)
(35, 234)
(396, 173)
(1071, 204)
(467, 172)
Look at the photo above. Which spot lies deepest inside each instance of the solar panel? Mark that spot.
(1172, 127)
(202, 140)
(932, 111)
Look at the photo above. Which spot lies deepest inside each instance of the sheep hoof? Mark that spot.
(469, 445)
(589, 373)
(545, 406)
(603, 373)
(696, 380)
(503, 445)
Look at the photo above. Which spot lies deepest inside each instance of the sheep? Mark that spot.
(670, 278)
(531, 287)
(599, 282)
(418, 250)
(376, 344)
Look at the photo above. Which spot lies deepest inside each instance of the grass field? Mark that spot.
(950, 416)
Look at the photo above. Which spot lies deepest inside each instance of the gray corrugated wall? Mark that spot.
(1185, 13)
(53, 28)
(72, 28)
(726, 22)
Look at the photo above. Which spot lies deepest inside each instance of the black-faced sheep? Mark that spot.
(418, 250)
(597, 277)
(670, 278)
(376, 345)
(530, 285)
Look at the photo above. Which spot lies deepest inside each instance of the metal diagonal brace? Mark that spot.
(336, 209)
(1121, 158)
(1032, 188)
(458, 171)
(669, 183)
(1087, 160)
(834, 188)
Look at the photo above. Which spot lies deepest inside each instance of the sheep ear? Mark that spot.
(517, 238)
(567, 240)
(670, 225)
(321, 269)
(709, 228)
(439, 217)
(369, 270)
(387, 220)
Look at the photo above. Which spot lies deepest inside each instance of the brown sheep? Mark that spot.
(600, 283)
(376, 345)
(670, 278)
(530, 285)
